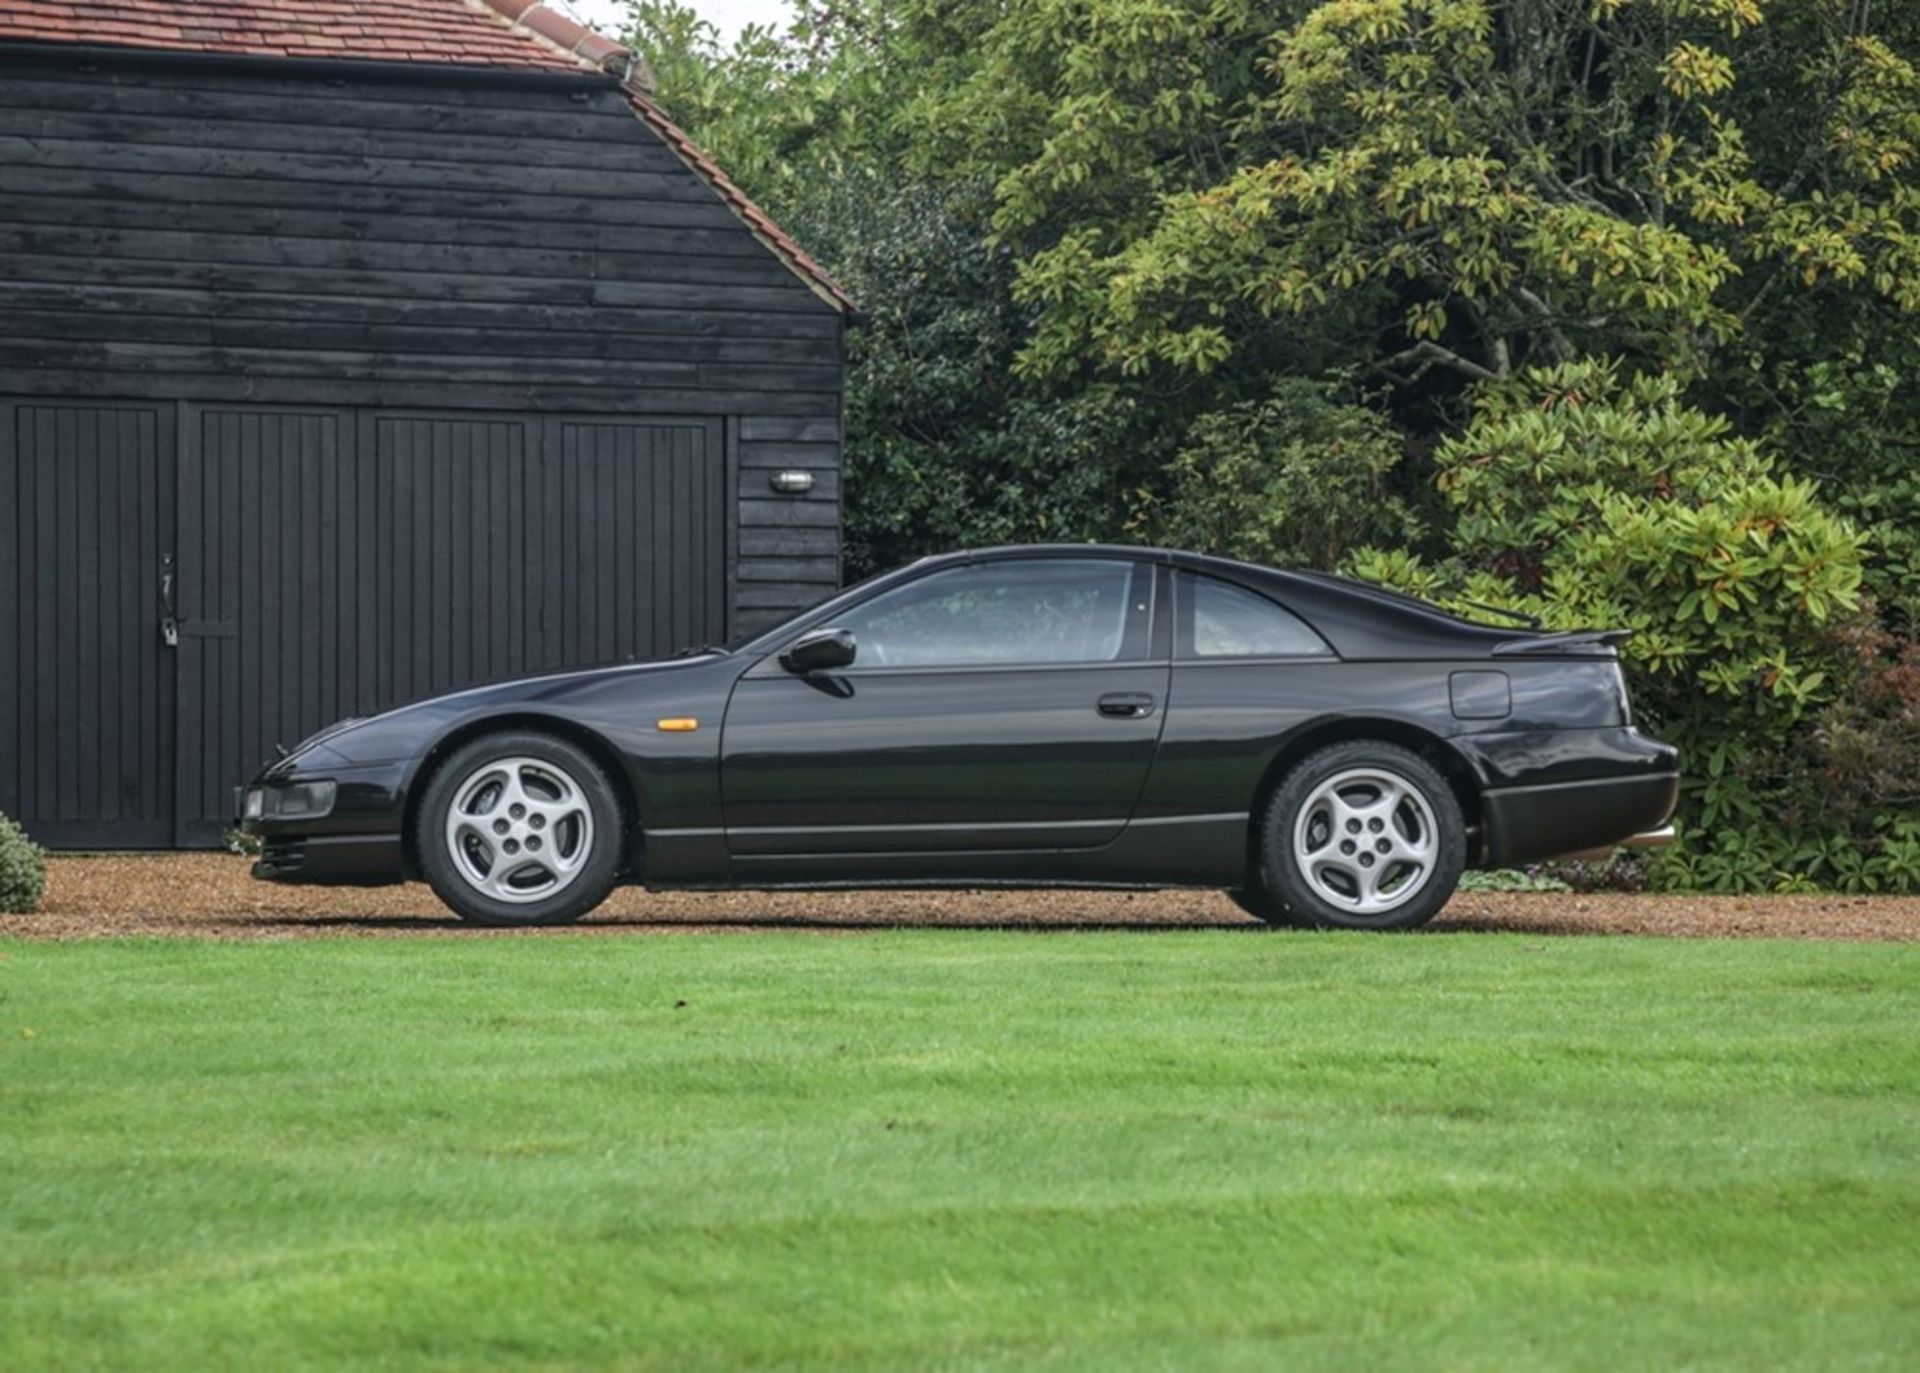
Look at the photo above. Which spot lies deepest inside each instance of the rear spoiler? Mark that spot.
(1567, 641)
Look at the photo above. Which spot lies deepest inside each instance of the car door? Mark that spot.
(1003, 706)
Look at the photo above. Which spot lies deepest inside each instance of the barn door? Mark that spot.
(86, 689)
(258, 606)
(339, 562)
(637, 515)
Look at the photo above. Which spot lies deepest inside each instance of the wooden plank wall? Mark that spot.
(232, 232)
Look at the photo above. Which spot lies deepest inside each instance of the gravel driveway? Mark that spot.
(211, 896)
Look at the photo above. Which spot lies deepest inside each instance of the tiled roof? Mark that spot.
(511, 34)
(470, 32)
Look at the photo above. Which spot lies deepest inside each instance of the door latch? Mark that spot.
(169, 619)
(1126, 705)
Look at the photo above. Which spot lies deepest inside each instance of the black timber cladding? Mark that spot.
(517, 260)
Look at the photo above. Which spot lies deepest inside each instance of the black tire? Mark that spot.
(1410, 892)
(584, 841)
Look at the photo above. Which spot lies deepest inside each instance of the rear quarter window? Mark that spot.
(1228, 621)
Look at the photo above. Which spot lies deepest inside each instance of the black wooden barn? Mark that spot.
(355, 350)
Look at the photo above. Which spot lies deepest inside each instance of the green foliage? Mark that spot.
(776, 109)
(1838, 393)
(1445, 183)
(23, 870)
(1587, 499)
(1511, 880)
(1301, 478)
(945, 446)
(242, 843)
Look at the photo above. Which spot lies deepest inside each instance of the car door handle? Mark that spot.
(1126, 705)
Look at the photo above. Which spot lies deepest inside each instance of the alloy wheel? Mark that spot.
(1366, 840)
(519, 829)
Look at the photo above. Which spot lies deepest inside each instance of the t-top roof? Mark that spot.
(510, 35)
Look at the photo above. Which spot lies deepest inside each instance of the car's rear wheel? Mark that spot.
(520, 828)
(1362, 835)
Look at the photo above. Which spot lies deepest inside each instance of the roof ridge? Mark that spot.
(570, 38)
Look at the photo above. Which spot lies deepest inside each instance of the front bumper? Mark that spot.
(357, 841)
(353, 860)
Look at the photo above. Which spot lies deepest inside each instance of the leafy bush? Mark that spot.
(23, 870)
(1300, 479)
(1836, 398)
(1592, 500)
(1868, 739)
(1512, 880)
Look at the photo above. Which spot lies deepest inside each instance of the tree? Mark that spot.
(777, 109)
(1300, 479)
(1459, 185)
(945, 446)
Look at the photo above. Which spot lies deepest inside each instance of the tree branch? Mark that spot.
(1544, 319)
(1426, 355)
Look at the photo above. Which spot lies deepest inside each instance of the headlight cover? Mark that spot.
(291, 801)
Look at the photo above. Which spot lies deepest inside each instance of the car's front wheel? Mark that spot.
(1361, 836)
(520, 828)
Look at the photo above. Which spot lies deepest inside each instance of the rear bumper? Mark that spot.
(1578, 819)
(355, 860)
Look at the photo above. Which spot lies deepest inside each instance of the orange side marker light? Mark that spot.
(677, 724)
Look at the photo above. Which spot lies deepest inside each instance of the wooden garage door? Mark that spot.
(338, 563)
(86, 688)
(328, 562)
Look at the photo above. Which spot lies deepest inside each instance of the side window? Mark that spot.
(1020, 611)
(1227, 621)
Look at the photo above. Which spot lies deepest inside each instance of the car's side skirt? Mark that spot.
(1187, 850)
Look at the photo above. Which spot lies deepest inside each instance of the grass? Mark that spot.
(963, 1149)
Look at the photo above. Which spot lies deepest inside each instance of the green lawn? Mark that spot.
(962, 1149)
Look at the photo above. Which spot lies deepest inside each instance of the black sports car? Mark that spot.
(1331, 753)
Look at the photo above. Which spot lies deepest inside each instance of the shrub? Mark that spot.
(1587, 500)
(1867, 740)
(23, 870)
(1299, 479)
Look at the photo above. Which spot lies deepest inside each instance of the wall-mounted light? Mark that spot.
(792, 483)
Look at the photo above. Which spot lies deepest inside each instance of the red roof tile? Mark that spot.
(512, 34)
(469, 32)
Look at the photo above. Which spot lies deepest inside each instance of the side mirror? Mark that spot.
(820, 650)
